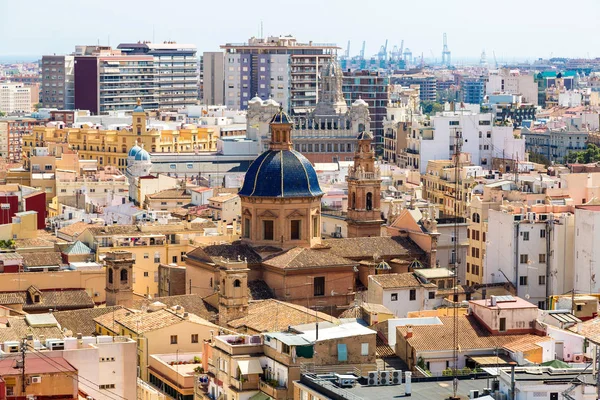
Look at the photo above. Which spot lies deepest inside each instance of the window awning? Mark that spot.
(251, 366)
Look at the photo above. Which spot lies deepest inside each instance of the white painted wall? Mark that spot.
(587, 250)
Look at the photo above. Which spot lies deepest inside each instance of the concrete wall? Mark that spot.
(587, 247)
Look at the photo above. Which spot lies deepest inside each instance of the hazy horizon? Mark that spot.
(520, 30)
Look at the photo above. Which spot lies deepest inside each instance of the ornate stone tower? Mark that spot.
(233, 290)
(138, 118)
(331, 98)
(119, 269)
(364, 183)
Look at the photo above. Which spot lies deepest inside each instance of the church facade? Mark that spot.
(326, 134)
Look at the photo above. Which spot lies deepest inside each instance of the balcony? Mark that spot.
(412, 151)
(272, 389)
(239, 344)
(244, 383)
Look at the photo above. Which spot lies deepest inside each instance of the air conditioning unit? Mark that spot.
(396, 378)
(373, 378)
(385, 378)
(36, 379)
(578, 358)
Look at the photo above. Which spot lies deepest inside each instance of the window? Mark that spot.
(394, 297)
(342, 352)
(146, 255)
(431, 295)
(525, 236)
(157, 257)
(542, 258)
(364, 349)
(369, 201)
(268, 233)
(108, 386)
(413, 294)
(524, 258)
(542, 279)
(523, 281)
(319, 286)
(315, 227)
(173, 339)
(476, 218)
(124, 275)
(237, 283)
(145, 274)
(194, 338)
(174, 259)
(246, 227)
(542, 305)
(502, 325)
(285, 348)
(295, 229)
(579, 307)
(542, 233)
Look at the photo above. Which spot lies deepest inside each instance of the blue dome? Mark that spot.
(142, 155)
(281, 173)
(134, 150)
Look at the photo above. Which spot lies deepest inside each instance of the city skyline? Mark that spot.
(527, 35)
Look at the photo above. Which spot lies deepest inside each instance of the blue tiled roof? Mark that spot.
(138, 109)
(281, 173)
(134, 150)
(142, 155)
(281, 117)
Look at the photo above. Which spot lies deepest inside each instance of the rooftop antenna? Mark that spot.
(456, 262)
(261, 30)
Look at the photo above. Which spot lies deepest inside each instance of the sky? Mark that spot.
(512, 29)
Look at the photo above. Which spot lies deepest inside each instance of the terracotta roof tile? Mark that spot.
(364, 247)
(208, 254)
(42, 259)
(192, 303)
(171, 194)
(70, 299)
(403, 280)
(18, 328)
(82, 321)
(471, 336)
(275, 315)
(75, 229)
(300, 257)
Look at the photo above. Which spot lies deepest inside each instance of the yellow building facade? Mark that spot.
(111, 147)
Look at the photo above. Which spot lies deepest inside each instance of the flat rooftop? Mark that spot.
(420, 390)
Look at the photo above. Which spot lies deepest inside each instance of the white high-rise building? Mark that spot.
(512, 82)
(15, 98)
(480, 138)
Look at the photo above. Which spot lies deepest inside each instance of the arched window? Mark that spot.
(476, 218)
(110, 275)
(123, 275)
(369, 201)
(353, 200)
(361, 127)
(237, 283)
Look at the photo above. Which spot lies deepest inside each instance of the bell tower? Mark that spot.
(233, 290)
(139, 118)
(364, 185)
(119, 269)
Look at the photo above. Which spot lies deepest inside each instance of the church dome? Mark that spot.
(142, 155)
(271, 102)
(281, 173)
(255, 99)
(134, 151)
(359, 102)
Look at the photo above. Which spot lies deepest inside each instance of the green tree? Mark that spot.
(590, 155)
(431, 107)
(539, 159)
(2, 114)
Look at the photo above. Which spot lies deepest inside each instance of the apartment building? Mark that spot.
(440, 184)
(427, 84)
(176, 71)
(12, 131)
(277, 67)
(480, 137)
(401, 293)
(512, 82)
(554, 142)
(473, 90)
(225, 207)
(213, 78)
(15, 98)
(373, 88)
(107, 81)
(401, 111)
(531, 248)
(585, 249)
(58, 82)
(158, 330)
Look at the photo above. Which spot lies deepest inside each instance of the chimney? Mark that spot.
(409, 332)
